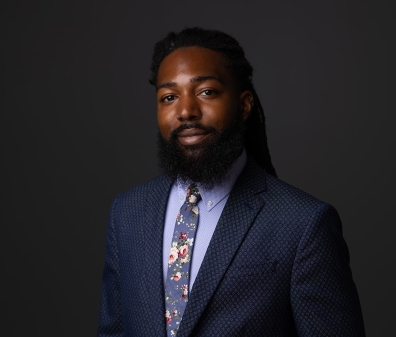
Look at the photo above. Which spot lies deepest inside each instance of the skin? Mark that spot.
(194, 85)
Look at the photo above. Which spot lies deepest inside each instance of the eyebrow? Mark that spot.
(205, 78)
(193, 79)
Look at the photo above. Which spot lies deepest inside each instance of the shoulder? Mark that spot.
(285, 206)
(276, 193)
(281, 198)
(289, 197)
(293, 207)
(137, 195)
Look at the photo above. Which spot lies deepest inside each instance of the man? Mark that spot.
(218, 246)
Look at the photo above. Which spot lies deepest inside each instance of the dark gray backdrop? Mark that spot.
(78, 126)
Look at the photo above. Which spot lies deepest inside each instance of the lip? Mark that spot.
(192, 136)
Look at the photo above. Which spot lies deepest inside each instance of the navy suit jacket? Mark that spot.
(277, 265)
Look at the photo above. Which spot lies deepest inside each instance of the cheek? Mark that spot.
(164, 124)
(221, 116)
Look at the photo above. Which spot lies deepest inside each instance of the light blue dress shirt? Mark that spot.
(210, 208)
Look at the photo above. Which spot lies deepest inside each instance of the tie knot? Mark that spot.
(193, 195)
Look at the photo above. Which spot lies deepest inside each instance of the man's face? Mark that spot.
(195, 86)
(200, 116)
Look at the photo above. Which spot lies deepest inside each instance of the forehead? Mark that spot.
(193, 61)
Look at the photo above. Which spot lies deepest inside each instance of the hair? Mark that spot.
(255, 137)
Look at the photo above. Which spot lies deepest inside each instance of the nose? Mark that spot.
(188, 108)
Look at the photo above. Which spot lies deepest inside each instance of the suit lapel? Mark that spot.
(242, 207)
(152, 241)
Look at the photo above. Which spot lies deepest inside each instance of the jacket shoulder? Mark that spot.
(290, 200)
(279, 195)
(138, 194)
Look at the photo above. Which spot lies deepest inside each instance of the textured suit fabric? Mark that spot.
(277, 265)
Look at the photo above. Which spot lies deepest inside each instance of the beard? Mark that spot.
(207, 163)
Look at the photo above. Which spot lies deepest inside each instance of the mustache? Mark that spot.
(191, 125)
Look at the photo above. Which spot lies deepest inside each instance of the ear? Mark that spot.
(246, 103)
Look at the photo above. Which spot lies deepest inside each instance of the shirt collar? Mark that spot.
(212, 197)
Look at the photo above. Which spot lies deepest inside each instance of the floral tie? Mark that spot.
(177, 280)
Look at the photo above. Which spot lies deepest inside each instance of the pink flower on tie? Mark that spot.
(168, 317)
(183, 236)
(185, 259)
(174, 313)
(173, 255)
(177, 276)
(184, 290)
(183, 250)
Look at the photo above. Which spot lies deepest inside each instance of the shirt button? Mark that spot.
(181, 198)
(209, 203)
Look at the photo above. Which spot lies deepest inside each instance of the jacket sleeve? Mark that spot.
(323, 295)
(110, 321)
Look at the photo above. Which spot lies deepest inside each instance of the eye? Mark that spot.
(168, 98)
(207, 92)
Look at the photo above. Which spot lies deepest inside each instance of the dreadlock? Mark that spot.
(256, 138)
